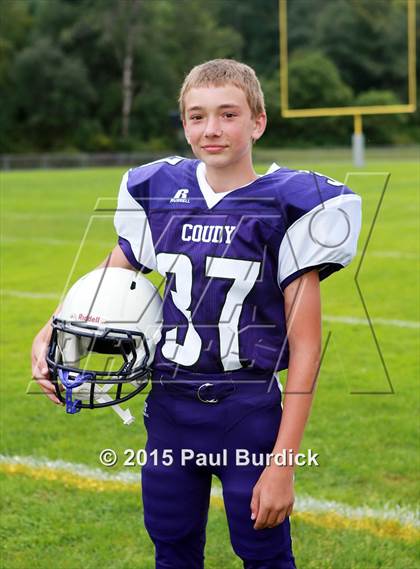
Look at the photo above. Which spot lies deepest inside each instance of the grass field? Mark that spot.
(367, 443)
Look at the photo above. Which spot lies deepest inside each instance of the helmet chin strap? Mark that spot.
(73, 407)
(125, 414)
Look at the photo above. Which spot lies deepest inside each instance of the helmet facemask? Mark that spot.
(96, 364)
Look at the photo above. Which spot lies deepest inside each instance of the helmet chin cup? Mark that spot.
(73, 407)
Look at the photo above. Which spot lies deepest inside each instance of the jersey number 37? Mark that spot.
(243, 275)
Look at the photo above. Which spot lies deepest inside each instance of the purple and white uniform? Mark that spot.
(227, 258)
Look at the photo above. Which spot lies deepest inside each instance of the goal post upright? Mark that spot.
(358, 143)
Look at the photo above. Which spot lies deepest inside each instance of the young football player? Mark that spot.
(243, 256)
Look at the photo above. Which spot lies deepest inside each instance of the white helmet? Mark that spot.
(105, 337)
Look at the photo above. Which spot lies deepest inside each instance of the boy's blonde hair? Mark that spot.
(221, 72)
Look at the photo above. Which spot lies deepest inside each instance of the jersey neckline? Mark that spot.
(211, 197)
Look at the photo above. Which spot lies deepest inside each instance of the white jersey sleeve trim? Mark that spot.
(131, 223)
(327, 233)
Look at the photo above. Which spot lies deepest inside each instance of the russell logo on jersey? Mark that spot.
(181, 196)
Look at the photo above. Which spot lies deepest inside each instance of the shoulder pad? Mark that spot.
(146, 171)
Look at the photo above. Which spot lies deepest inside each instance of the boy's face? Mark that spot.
(219, 126)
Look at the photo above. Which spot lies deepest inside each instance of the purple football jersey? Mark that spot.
(228, 257)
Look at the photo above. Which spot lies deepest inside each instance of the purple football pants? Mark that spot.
(176, 496)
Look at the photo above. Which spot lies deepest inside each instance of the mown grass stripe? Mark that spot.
(377, 321)
(29, 294)
(50, 242)
(326, 514)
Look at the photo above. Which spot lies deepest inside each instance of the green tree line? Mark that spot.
(104, 75)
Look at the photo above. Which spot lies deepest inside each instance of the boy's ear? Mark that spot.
(260, 125)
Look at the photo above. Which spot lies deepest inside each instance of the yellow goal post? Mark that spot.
(355, 111)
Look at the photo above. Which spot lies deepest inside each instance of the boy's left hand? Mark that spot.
(272, 497)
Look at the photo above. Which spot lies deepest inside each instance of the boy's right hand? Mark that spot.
(39, 364)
